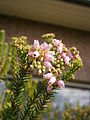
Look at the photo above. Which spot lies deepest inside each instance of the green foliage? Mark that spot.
(35, 100)
(77, 113)
(17, 86)
(5, 60)
(69, 74)
(5, 55)
(70, 113)
(36, 105)
(0, 107)
(49, 111)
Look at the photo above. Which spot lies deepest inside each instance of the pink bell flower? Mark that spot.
(30, 53)
(61, 84)
(48, 75)
(63, 55)
(35, 54)
(46, 46)
(52, 52)
(59, 57)
(55, 42)
(49, 57)
(52, 80)
(60, 48)
(67, 60)
(47, 64)
(70, 54)
(49, 88)
(36, 44)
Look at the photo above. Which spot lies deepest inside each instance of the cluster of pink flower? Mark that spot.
(51, 59)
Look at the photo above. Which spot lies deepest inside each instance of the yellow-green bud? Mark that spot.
(56, 53)
(34, 62)
(40, 71)
(36, 65)
(39, 66)
(43, 70)
(65, 49)
(32, 66)
(58, 65)
(58, 61)
(54, 62)
(61, 59)
(53, 68)
(62, 63)
(42, 59)
(43, 67)
(49, 70)
(39, 63)
(62, 67)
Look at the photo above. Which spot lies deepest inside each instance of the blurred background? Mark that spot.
(67, 19)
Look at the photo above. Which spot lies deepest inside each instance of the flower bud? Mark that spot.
(42, 59)
(48, 76)
(61, 84)
(47, 64)
(49, 69)
(55, 42)
(58, 65)
(39, 66)
(36, 65)
(31, 66)
(59, 70)
(36, 44)
(35, 54)
(61, 59)
(38, 62)
(62, 68)
(43, 70)
(34, 62)
(65, 49)
(52, 80)
(39, 71)
(61, 63)
(49, 88)
(43, 67)
(58, 61)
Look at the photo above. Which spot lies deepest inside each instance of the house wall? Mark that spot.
(34, 30)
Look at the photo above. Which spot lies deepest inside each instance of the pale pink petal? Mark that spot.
(55, 42)
(47, 64)
(36, 44)
(60, 48)
(46, 46)
(63, 55)
(61, 84)
(48, 75)
(35, 54)
(49, 88)
(70, 54)
(52, 52)
(30, 53)
(67, 60)
(52, 80)
(59, 57)
(49, 57)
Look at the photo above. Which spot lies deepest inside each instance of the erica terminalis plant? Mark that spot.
(51, 60)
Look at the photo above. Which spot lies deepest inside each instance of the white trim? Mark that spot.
(49, 11)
